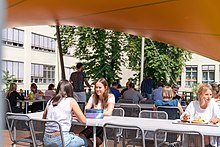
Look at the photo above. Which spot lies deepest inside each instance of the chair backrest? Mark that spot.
(173, 112)
(118, 112)
(157, 143)
(82, 106)
(112, 133)
(38, 127)
(148, 101)
(7, 105)
(19, 130)
(124, 128)
(131, 110)
(129, 101)
(154, 115)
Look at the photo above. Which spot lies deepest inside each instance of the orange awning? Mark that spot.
(190, 24)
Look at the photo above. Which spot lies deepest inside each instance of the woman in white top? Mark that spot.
(101, 99)
(204, 109)
(61, 108)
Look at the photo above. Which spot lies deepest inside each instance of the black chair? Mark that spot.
(115, 134)
(149, 135)
(131, 110)
(124, 128)
(173, 113)
(82, 106)
(185, 142)
(7, 105)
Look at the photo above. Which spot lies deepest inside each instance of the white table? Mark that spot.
(36, 115)
(26, 102)
(144, 123)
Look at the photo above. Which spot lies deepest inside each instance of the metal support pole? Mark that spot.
(142, 60)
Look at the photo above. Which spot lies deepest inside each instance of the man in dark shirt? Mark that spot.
(77, 79)
(115, 91)
(147, 87)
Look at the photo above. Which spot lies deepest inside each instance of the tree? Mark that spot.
(101, 50)
(162, 61)
(104, 51)
(7, 79)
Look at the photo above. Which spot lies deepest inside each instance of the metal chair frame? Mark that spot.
(11, 120)
(124, 127)
(36, 140)
(177, 132)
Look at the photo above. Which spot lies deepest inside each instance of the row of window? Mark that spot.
(44, 43)
(15, 37)
(208, 75)
(39, 73)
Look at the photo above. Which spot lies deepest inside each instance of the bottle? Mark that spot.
(31, 95)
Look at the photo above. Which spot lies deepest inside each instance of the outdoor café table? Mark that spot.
(35, 115)
(26, 102)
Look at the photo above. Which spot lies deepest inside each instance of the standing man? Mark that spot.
(147, 87)
(77, 79)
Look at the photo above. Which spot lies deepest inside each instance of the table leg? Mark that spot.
(26, 107)
(94, 136)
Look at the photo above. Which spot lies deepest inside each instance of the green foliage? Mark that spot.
(104, 51)
(162, 61)
(7, 79)
(66, 37)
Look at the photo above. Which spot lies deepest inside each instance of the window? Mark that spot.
(178, 81)
(44, 43)
(191, 75)
(13, 37)
(208, 74)
(42, 73)
(14, 68)
(68, 71)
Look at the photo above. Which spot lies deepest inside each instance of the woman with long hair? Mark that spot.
(100, 99)
(204, 109)
(61, 108)
(12, 96)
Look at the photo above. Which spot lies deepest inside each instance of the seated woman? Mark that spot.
(61, 108)
(37, 94)
(12, 96)
(167, 94)
(50, 92)
(101, 99)
(205, 108)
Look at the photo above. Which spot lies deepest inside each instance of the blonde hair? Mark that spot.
(203, 88)
(167, 92)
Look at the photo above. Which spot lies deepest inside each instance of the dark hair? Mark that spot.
(131, 85)
(160, 84)
(51, 86)
(64, 90)
(33, 85)
(105, 94)
(114, 84)
(79, 65)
